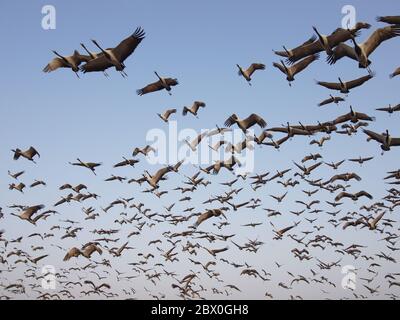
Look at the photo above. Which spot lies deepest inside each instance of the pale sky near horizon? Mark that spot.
(102, 119)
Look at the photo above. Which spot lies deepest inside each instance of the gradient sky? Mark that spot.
(199, 43)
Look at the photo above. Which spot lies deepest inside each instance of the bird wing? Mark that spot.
(230, 121)
(379, 217)
(55, 64)
(255, 119)
(169, 112)
(379, 36)
(152, 87)
(324, 102)
(358, 82)
(128, 45)
(329, 85)
(300, 66)
(341, 35)
(342, 50)
(171, 82)
(282, 140)
(389, 19)
(395, 73)
(32, 151)
(101, 63)
(375, 136)
(203, 217)
(198, 104)
(304, 51)
(395, 142)
(364, 193)
(342, 195)
(255, 66)
(314, 166)
(279, 66)
(160, 173)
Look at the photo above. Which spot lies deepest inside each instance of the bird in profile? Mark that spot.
(37, 183)
(330, 100)
(19, 187)
(28, 212)
(161, 84)
(89, 165)
(250, 70)
(207, 215)
(165, 116)
(194, 109)
(15, 175)
(72, 62)
(27, 154)
(114, 56)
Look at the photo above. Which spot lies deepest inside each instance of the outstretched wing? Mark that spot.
(279, 66)
(342, 50)
(389, 19)
(255, 119)
(379, 36)
(152, 87)
(358, 82)
(101, 63)
(300, 66)
(255, 66)
(55, 64)
(375, 136)
(329, 85)
(128, 46)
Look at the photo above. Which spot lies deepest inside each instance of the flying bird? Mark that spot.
(194, 109)
(27, 154)
(385, 139)
(291, 71)
(345, 87)
(114, 56)
(89, 165)
(247, 123)
(162, 83)
(72, 62)
(332, 99)
(165, 116)
(250, 70)
(361, 52)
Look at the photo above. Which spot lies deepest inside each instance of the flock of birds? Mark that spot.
(190, 233)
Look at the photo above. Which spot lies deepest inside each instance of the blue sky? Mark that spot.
(199, 43)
